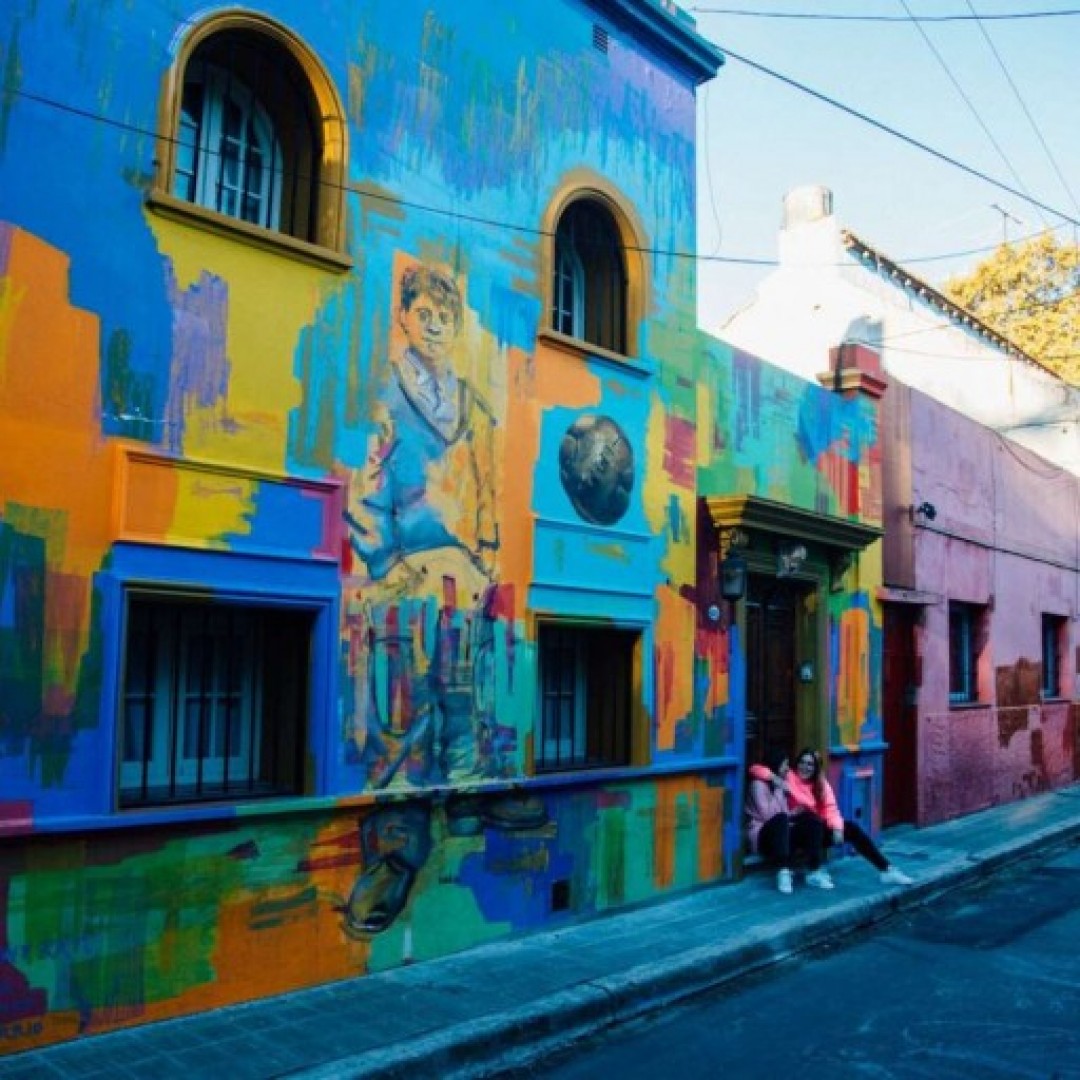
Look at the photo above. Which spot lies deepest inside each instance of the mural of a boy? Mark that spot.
(421, 517)
(425, 505)
(422, 523)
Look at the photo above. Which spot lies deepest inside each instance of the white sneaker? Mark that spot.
(783, 882)
(895, 876)
(820, 879)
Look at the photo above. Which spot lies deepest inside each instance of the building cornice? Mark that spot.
(668, 30)
(959, 314)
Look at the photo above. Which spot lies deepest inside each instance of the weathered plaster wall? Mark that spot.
(1005, 536)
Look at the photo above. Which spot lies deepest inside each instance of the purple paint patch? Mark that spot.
(199, 374)
(16, 818)
(6, 233)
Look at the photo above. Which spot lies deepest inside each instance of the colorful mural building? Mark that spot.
(387, 562)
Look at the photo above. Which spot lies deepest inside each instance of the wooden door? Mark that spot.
(771, 698)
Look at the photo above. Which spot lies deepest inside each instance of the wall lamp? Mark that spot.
(925, 510)
(733, 569)
(790, 558)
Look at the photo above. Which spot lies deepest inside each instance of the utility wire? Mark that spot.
(897, 134)
(477, 219)
(967, 101)
(811, 16)
(1023, 105)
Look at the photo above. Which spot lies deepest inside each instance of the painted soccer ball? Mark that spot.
(596, 466)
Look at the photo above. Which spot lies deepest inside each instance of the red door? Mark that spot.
(771, 706)
(899, 687)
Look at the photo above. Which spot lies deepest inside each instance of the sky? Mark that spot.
(759, 138)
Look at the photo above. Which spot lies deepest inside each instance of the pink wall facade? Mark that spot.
(1004, 538)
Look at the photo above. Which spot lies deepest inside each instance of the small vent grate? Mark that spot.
(560, 895)
(600, 38)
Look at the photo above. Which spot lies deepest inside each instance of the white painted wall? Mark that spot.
(822, 295)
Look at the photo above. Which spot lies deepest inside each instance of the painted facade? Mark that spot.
(297, 490)
(981, 527)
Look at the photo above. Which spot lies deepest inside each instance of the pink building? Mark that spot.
(981, 599)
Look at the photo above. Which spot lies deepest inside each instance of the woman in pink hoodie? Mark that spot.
(777, 834)
(808, 792)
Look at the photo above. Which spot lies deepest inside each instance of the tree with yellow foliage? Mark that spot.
(1030, 293)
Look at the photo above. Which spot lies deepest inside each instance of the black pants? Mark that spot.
(863, 845)
(783, 836)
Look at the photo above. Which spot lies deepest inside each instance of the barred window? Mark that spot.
(586, 697)
(589, 291)
(1054, 638)
(215, 700)
(967, 633)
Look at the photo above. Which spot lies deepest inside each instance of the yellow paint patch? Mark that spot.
(270, 301)
(853, 689)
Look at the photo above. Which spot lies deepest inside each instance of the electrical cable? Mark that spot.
(968, 102)
(897, 134)
(824, 17)
(1023, 105)
(736, 260)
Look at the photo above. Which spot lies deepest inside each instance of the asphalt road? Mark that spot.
(982, 984)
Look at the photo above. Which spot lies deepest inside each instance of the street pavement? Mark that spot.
(508, 1005)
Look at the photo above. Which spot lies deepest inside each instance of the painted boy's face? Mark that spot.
(430, 328)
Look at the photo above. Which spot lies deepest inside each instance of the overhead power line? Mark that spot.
(813, 16)
(1023, 105)
(866, 118)
(951, 75)
(137, 129)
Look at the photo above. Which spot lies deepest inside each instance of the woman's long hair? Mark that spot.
(775, 756)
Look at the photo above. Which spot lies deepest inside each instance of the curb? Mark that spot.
(516, 1038)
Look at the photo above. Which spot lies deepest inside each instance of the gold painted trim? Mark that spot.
(328, 112)
(177, 209)
(586, 184)
(752, 513)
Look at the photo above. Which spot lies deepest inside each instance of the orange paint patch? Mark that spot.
(674, 659)
(853, 684)
(55, 471)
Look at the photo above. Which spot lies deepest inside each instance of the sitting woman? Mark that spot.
(810, 794)
(776, 833)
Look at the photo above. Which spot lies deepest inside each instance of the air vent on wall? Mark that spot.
(600, 38)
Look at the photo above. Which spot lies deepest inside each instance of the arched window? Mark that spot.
(229, 156)
(254, 131)
(589, 290)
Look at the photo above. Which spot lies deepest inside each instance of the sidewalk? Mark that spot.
(509, 1004)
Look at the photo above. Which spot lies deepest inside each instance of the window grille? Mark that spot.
(214, 701)
(589, 291)
(964, 645)
(586, 697)
(1054, 629)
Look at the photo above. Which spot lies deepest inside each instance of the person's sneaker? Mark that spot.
(820, 879)
(895, 876)
(783, 881)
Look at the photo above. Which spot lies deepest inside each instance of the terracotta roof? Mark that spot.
(926, 292)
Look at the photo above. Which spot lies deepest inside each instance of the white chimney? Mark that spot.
(809, 234)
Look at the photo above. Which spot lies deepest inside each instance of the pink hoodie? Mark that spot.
(763, 802)
(801, 796)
